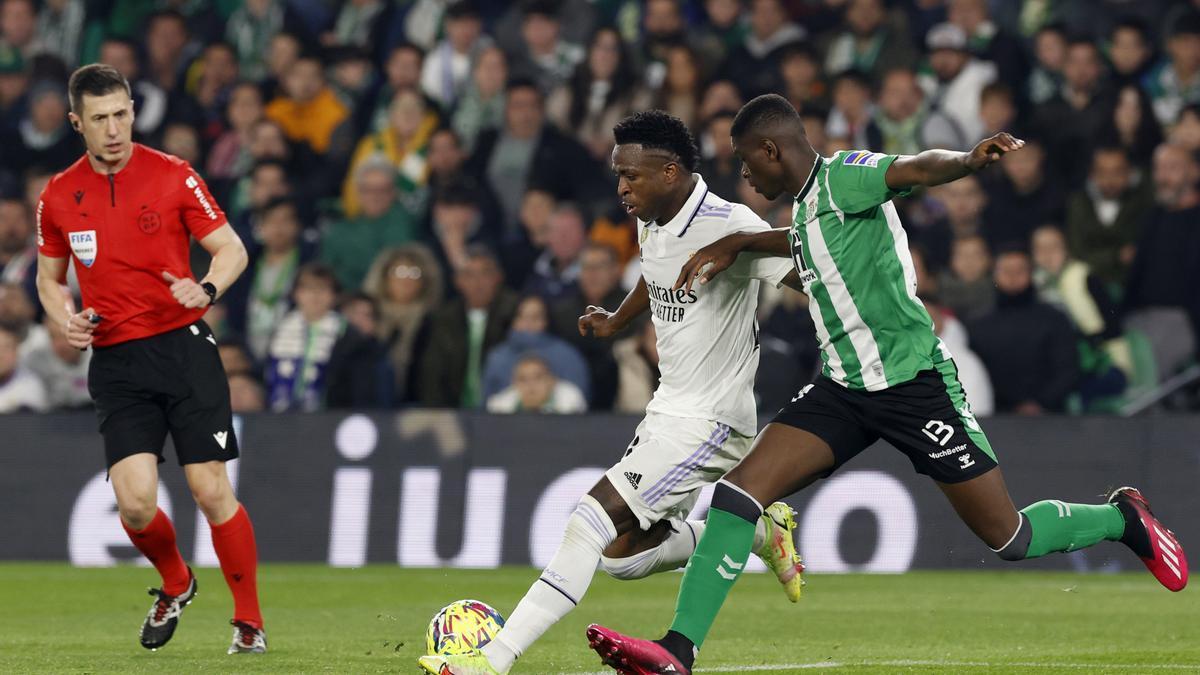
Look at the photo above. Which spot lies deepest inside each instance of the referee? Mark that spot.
(125, 213)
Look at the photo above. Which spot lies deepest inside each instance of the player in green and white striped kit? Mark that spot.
(886, 375)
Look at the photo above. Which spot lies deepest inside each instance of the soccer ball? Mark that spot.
(461, 627)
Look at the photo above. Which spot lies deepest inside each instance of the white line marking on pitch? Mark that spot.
(917, 662)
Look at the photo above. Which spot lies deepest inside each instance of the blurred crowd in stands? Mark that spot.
(424, 189)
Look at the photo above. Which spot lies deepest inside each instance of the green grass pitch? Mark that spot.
(57, 619)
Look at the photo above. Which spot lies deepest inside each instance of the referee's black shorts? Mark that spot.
(171, 382)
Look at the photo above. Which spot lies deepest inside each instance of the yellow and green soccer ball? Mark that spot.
(462, 627)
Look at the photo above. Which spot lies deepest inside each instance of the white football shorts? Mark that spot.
(668, 462)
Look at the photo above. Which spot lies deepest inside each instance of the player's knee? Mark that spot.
(591, 523)
(138, 510)
(213, 497)
(637, 566)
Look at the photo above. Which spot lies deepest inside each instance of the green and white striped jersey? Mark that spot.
(852, 256)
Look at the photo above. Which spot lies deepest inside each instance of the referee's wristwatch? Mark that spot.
(211, 291)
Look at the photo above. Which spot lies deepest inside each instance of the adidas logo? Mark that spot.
(633, 478)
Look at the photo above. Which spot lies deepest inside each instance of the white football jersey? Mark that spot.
(707, 337)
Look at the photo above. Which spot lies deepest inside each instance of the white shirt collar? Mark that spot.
(679, 224)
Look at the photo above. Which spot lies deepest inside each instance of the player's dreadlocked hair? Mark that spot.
(661, 131)
(766, 112)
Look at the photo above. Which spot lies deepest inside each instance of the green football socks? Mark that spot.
(716, 565)
(1059, 526)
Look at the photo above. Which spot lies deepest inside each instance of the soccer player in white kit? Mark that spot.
(701, 420)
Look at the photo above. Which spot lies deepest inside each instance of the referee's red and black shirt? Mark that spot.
(124, 230)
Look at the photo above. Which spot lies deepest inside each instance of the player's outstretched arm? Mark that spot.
(934, 167)
(604, 323)
(715, 258)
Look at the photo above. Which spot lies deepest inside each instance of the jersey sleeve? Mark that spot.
(197, 208)
(857, 180)
(771, 269)
(50, 240)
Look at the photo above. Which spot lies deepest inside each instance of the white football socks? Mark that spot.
(561, 586)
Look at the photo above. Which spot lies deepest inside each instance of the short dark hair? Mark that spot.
(763, 112)
(319, 272)
(661, 131)
(96, 79)
(463, 9)
(1133, 23)
(461, 191)
(1187, 24)
(546, 8)
(279, 203)
(521, 82)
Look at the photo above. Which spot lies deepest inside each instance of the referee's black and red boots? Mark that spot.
(1146, 536)
(164, 614)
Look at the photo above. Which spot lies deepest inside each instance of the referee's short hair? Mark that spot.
(659, 130)
(96, 79)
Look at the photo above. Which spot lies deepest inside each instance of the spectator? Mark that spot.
(785, 364)
(18, 254)
(17, 313)
(1104, 218)
(976, 383)
(637, 369)
(964, 202)
(1131, 124)
(556, 271)
(722, 171)
(997, 110)
(209, 82)
(966, 287)
(725, 31)
(44, 138)
(403, 143)
(267, 180)
(1161, 291)
(362, 312)
(457, 222)
(802, 84)
(520, 252)
(13, 82)
(535, 388)
(870, 43)
(359, 23)
(530, 335)
(680, 91)
(902, 124)
(987, 40)
(603, 90)
(1028, 346)
(235, 358)
(599, 285)
(663, 27)
(527, 152)
(309, 112)
(481, 107)
(463, 333)
(62, 369)
(545, 57)
(1130, 50)
(1176, 81)
(246, 394)
(182, 140)
(447, 69)
(755, 65)
(18, 27)
(20, 390)
(258, 301)
(350, 244)
(168, 49)
(720, 95)
(230, 154)
(852, 110)
(60, 27)
(1186, 132)
(284, 49)
(251, 30)
(1069, 286)
(957, 79)
(353, 78)
(1020, 196)
(315, 359)
(1076, 115)
(406, 284)
(402, 72)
